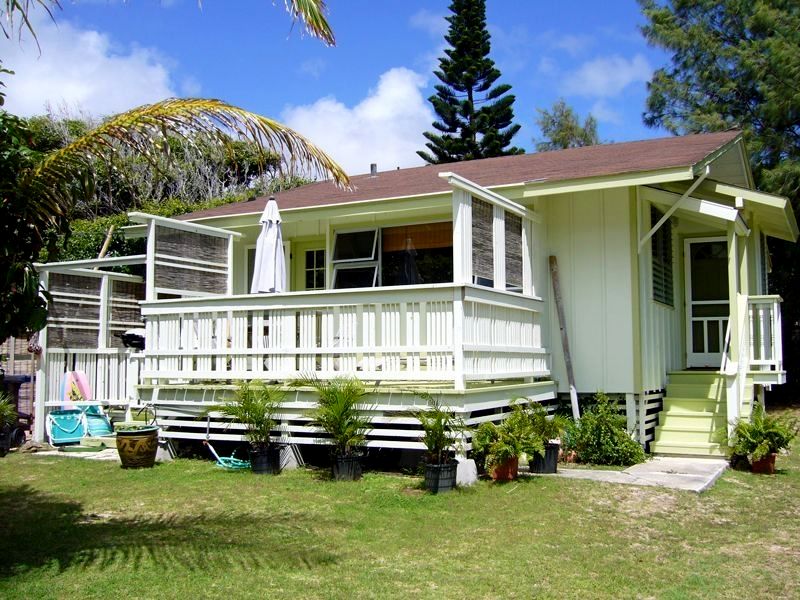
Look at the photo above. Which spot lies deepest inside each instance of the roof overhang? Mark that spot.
(774, 213)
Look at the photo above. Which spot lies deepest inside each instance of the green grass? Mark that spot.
(85, 529)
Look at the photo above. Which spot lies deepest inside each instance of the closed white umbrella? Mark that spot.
(269, 271)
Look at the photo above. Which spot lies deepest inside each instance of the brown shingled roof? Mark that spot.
(561, 165)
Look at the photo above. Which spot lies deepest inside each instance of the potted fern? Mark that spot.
(550, 430)
(254, 404)
(441, 431)
(502, 444)
(339, 413)
(759, 439)
(8, 418)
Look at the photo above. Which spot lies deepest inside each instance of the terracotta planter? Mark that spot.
(137, 447)
(765, 466)
(506, 471)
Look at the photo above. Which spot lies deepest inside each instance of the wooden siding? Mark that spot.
(589, 232)
(661, 325)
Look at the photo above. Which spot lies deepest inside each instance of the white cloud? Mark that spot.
(607, 76)
(313, 67)
(82, 69)
(604, 113)
(572, 44)
(547, 66)
(385, 127)
(431, 23)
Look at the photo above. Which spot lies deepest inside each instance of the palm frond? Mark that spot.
(144, 130)
(10, 8)
(312, 14)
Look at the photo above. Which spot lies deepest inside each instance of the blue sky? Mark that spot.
(364, 100)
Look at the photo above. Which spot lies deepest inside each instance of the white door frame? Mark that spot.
(702, 359)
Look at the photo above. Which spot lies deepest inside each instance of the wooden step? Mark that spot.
(694, 404)
(687, 448)
(688, 434)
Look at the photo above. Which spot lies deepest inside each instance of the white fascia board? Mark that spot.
(462, 183)
(113, 261)
(144, 218)
(543, 187)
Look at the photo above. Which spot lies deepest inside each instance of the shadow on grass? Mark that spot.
(45, 530)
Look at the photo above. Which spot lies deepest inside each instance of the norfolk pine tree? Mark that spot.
(474, 115)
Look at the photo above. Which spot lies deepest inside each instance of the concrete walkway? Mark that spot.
(691, 474)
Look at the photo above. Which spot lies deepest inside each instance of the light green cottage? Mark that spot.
(437, 278)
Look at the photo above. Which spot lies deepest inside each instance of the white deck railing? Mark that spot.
(441, 332)
(111, 372)
(764, 320)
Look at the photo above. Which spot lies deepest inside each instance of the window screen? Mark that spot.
(513, 252)
(482, 243)
(661, 245)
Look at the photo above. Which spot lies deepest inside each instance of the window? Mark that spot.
(355, 245)
(661, 246)
(513, 252)
(415, 254)
(355, 260)
(314, 269)
(482, 243)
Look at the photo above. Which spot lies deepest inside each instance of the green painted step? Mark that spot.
(687, 448)
(686, 434)
(694, 377)
(714, 390)
(694, 404)
(694, 414)
(691, 420)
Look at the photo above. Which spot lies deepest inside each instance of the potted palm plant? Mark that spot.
(441, 432)
(8, 418)
(340, 415)
(550, 430)
(502, 444)
(254, 404)
(758, 440)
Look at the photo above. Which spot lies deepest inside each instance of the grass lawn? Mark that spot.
(84, 529)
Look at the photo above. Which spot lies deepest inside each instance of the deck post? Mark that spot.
(459, 381)
(39, 410)
(630, 412)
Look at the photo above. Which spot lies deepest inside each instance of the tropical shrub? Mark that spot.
(548, 428)
(441, 429)
(511, 438)
(761, 435)
(600, 437)
(254, 404)
(339, 412)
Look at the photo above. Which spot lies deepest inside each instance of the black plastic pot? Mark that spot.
(547, 463)
(266, 461)
(440, 478)
(347, 468)
(5, 441)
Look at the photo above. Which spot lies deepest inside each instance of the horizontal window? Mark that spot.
(345, 277)
(355, 245)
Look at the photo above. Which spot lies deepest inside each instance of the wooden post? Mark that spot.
(562, 324)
